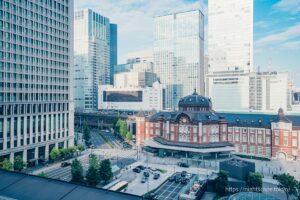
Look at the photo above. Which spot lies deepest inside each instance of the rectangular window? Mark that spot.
(237, 137)
(276, 140)
(230, 137)
(259, 139)
(245, 138)
(294, 142)
(268, 140)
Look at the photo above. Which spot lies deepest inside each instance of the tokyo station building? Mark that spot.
(195, 129)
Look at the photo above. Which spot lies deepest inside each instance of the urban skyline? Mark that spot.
(275, 27)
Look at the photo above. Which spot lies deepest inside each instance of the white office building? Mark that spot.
(179, 54)
(230, 35)
(269, 91)
(230, 50)
(36, 73)
(132, 98)
(134, 79)
(228, 90)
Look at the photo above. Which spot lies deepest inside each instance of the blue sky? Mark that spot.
(276, 27)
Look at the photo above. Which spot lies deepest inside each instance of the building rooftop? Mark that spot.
(22, 186)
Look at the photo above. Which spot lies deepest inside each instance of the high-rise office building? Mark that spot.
(230, 49)
(230, 35)
(113, 49)
(36, 77)
(91, 57)
(179, 54)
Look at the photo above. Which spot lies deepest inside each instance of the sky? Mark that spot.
(276, 28)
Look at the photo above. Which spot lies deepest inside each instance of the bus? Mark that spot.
(120, 186)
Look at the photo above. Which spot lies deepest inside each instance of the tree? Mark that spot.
(121, 127)
(86, 134)
(54, 154)
(105, 170)
(6, 164)
(80, 147)
(77, 172)
(288, 184)
(222, 183)
(43, 174)
(64, 153)
(19, 164)
(129, 136)
(93, 175)
(254, 182)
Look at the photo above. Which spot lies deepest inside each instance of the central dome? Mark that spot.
(195, 102)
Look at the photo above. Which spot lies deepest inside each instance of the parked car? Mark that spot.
(171, 178)
(178, 179)
(65, 164)
(184, 181)
(181, 164)
(141, 167)
(156, 176)
(275, 176)
(144, 179)
(136, 170)
(183, 173)
(146, 174)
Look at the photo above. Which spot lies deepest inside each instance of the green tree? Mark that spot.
(105, 170)
(86, 134)
(254, 182)
(43, 174)
(6, 164)
(80, 147)
(77, 172)
(64, 153)
(129, 136)
(93, 175)
(19, 164)
(288, 184)
(54, 154)
(222, 183)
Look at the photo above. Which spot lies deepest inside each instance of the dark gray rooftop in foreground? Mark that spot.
(27, 187)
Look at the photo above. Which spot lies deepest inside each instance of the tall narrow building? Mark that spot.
(113, 50)
(91, 57)
(179, 54)
(230, 49)
(36, 77)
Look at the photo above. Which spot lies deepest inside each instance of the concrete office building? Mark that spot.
(269, 91)
(179, 54)
(113, 49)
(91, 57)
(132, 98)
(36, 72)
(134, 79)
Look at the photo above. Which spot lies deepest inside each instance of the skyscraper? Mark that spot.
(36, 77)
(230, 34)
(91, 57)
(113, 50)
(179, 54)
(230, 49)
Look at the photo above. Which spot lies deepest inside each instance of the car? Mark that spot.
(181, 164)
(183, 173)
(144, 179)
(146, 174)
(178, 179)
(171, 178)
(141, 167)
(65, 164)
(275, 176)
(184, 181)
(136, 170)
(156, 176)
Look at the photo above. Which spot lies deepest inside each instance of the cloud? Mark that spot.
(135, 18)
(288, 34)
(291, 45)
(292, 6)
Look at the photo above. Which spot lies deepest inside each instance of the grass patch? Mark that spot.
(163, 171)
(106, 141)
